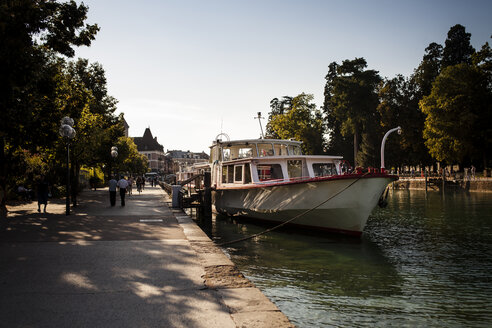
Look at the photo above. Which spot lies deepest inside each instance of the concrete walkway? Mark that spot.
(142, 265)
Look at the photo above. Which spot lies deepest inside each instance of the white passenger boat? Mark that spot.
(270, 180)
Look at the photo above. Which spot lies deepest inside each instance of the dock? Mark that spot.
(449, 184)
(141, 265)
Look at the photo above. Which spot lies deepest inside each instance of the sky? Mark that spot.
(190, 70)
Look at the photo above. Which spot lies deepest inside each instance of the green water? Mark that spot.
(424, 261)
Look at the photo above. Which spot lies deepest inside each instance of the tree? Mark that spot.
(457, 47)
(458, 114)
(129, 159)
(483, 60)
(430, 67)
(302, 122)
(351, 100)
(399, 107)
(278, 107)
(32, 32)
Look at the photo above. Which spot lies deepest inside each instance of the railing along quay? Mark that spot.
(194, 192)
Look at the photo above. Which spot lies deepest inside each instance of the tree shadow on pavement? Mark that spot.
(96, 270)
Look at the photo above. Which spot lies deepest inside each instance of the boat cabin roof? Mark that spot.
(229, 143)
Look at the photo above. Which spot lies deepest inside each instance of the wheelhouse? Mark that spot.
(267, 161)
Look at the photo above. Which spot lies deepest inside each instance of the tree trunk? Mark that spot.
(356, 147)
(3, 184)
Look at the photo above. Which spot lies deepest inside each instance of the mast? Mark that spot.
(259, 120)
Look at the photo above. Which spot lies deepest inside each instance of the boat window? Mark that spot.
(230, 173)
(295, 150)
(294, 167)
(246, 151)
(281, 150)
(270, 172)
(238, 173)
(226, 154)
(265, 149)
(224, 174)
(247, 174)
(324, 169)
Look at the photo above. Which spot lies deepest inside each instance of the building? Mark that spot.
(182, 159)
(148, 146)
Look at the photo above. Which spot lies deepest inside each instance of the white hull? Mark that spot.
(345, 212)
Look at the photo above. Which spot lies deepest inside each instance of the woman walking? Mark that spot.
(42, 193)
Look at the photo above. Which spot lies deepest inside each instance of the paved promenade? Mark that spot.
(142, 265)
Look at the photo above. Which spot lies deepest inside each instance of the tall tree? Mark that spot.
(129, 159)
(427, 71)
(351, 100)
(399, 107)
(31, 32)
(457, 47)
(278, 107)
(458, 113)
(302, 122)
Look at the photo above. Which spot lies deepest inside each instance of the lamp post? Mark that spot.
(114, 154)
(384, 142)
(68, 132)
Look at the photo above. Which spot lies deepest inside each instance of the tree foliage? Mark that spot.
(458, 114)
(350, 103)
(399, 107)
(39, 86)
(459, 102)
(299, 120)
(442, 107)
(457, 47)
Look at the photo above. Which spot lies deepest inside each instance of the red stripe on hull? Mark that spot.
(308, 180)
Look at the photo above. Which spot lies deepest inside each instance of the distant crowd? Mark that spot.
(126, 186)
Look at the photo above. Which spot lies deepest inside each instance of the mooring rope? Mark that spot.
(295, 217)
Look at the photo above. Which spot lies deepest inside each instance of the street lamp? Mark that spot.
(68, 132)
(114, 153)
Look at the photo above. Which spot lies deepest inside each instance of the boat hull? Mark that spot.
(339, 205)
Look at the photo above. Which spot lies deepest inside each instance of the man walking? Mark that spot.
(122, 184)
(112, 191)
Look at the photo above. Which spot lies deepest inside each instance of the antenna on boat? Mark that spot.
(259, 120)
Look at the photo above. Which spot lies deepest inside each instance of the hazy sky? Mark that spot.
(189, 69)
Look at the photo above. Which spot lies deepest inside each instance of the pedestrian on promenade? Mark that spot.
(139, 184)
(122, 184)
(473, 171)
(42, 193)
(112, 191)
(130, 186)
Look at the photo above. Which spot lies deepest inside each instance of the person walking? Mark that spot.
(112, 191)
(139, 184)
(122, 184)
(130, 186)
(42, 193)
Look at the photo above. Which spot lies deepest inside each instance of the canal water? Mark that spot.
(423, 261)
